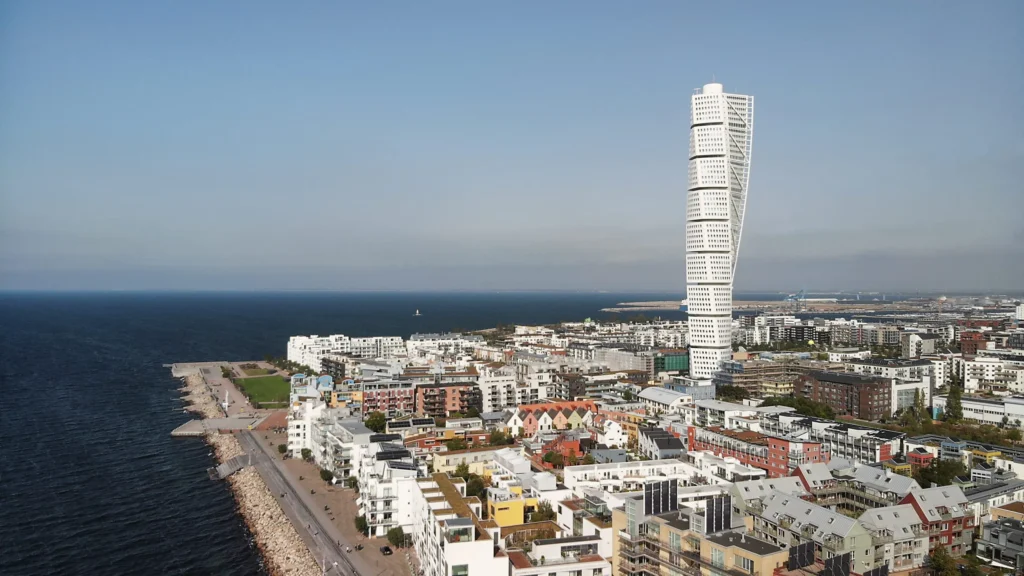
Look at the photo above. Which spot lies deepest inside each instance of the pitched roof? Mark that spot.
(660, 395)
(899, 519)
(803, 513)
(884, 480)
(816, 474)
(757, 489)
(931, 500)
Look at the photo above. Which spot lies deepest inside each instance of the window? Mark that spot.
(746, 564)
(717, 558)
(460, 570)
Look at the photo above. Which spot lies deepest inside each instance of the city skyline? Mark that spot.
(501, 148)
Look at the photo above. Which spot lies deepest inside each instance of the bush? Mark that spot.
(396, 536)
(282, 448)
(326, 475)
(376, 421)
(307, 454)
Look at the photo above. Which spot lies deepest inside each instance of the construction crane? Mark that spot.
(797, 300)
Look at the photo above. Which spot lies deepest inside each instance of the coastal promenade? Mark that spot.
(310, 521)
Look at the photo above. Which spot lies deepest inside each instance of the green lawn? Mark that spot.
(264, 388)
(255, 371)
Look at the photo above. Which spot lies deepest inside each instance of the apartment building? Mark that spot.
(395, 398)
(497, 385)
(387, 479)
(440, 400)
(1002, 543)
(986, 410)
(664, 401)
(309, 350)
(448, 344)
(917, 344)
(786, 520)
(863, 397)
(658, 444)
(779, 456)
(898, 536)
(688, 541)
(847, 441)
(855, 489)
(946, 518)
(448, 535)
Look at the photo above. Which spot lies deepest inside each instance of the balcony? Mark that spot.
(834, 543)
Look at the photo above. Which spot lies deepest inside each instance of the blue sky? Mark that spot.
(413, 145)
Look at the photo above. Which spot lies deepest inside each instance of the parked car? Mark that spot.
(385, 550)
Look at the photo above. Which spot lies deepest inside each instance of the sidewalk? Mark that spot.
(305, 509)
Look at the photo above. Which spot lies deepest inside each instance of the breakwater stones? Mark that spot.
(283, 550)
(199, 397)
(225, 446)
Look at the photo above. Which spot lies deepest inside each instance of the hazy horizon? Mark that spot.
(458, 145)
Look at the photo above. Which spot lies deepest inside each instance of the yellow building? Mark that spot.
(902, 468)
(977, 455)
(509, 507)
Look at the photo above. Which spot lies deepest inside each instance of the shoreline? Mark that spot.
(281, 548)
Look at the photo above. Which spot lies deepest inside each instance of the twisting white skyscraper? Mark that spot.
(721, 128)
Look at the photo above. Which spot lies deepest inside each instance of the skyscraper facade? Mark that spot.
(721, 130)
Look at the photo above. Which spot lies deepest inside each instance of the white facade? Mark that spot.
(497, 388)
(309, 350)
(721, 131)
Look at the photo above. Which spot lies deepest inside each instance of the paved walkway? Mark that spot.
(312, 523)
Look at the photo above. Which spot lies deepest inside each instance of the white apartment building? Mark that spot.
(617, 477)
(612, 434)
(721, 133)
(300, 418)
(309, 350)
(843, 355)
(448, 344)
(984, 371)
(706, 413)
(664, 401)
(497, 388)
(387, 479)
(448, 535)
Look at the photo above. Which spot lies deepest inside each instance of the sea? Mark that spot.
(91, 481)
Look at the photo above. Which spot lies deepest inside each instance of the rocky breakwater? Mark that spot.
(199, 398)
(283, 550)
(225, 446)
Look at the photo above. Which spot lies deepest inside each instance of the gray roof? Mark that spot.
(900, 520)
(816, 474)
(661, 395)
(930, 499)
(745, 542)
(757, 489)
(803, 513)
(884, 480)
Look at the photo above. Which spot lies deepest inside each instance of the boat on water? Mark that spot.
(417, 313)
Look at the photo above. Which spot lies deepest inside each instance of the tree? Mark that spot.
(555, 459)
(440, 422)
(939, 473)
(543, 512)
(731, 393)
(942, 564)
(282, 448)
(376, 421)
(588, 459)
(627, 395)
(571, 460)
(396, 536)
(456, 444)
(474, 485)
(352, 482)
(472, 412)
(1013, 435)
(498, 438)
(326, 475)
(307, 454)
(954, 407)
(462, 471)
(802, 406)
(362, 525)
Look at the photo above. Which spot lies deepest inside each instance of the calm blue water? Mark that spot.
(90, 480)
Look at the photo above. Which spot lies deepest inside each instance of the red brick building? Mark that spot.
(777, 456)
(393, 398)
(971, 340)
(864, 397)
